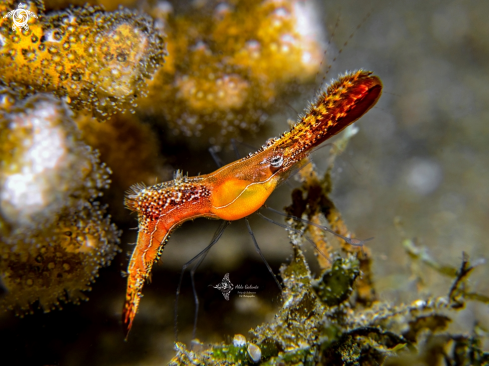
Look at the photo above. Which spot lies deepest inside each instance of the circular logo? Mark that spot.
(20, 17)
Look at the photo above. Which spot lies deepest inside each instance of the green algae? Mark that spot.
(336, 284)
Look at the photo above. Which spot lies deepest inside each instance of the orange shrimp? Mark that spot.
(238, 189)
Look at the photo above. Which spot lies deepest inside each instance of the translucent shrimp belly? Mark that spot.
(241, 188)
(241, 198)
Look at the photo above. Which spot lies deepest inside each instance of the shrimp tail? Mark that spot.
(150, 244)
(160, 209)
(134, 286)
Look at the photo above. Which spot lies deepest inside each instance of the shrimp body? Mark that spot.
(240, 188)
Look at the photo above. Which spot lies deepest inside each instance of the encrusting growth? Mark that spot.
(242, 187)
(319, 323)
(313, 200)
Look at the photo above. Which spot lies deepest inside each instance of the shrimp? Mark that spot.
(240, 188)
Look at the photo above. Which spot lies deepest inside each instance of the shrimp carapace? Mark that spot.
(240, 188)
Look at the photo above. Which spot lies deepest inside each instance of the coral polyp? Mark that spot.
(54, 236)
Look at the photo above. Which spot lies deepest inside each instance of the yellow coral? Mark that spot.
(229, 62)
(96, 60)
(278, 41)
(117, 140)
(58, 261)
(53, 235)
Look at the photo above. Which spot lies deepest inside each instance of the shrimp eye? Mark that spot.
(277, 161)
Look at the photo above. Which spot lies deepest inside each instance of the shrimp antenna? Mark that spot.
(261, 254)
(288, 227)
(235, 143)
(215, 157)
(235, 148)
(352, 241)
(199, 258)
(360, 25)
(330, 39)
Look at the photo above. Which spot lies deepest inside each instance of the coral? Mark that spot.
(61, 4)
(117, 140)
(107, 4)
(95, 60)
(53, 235)
(229, 62)
(41, 166)
(57, 261)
